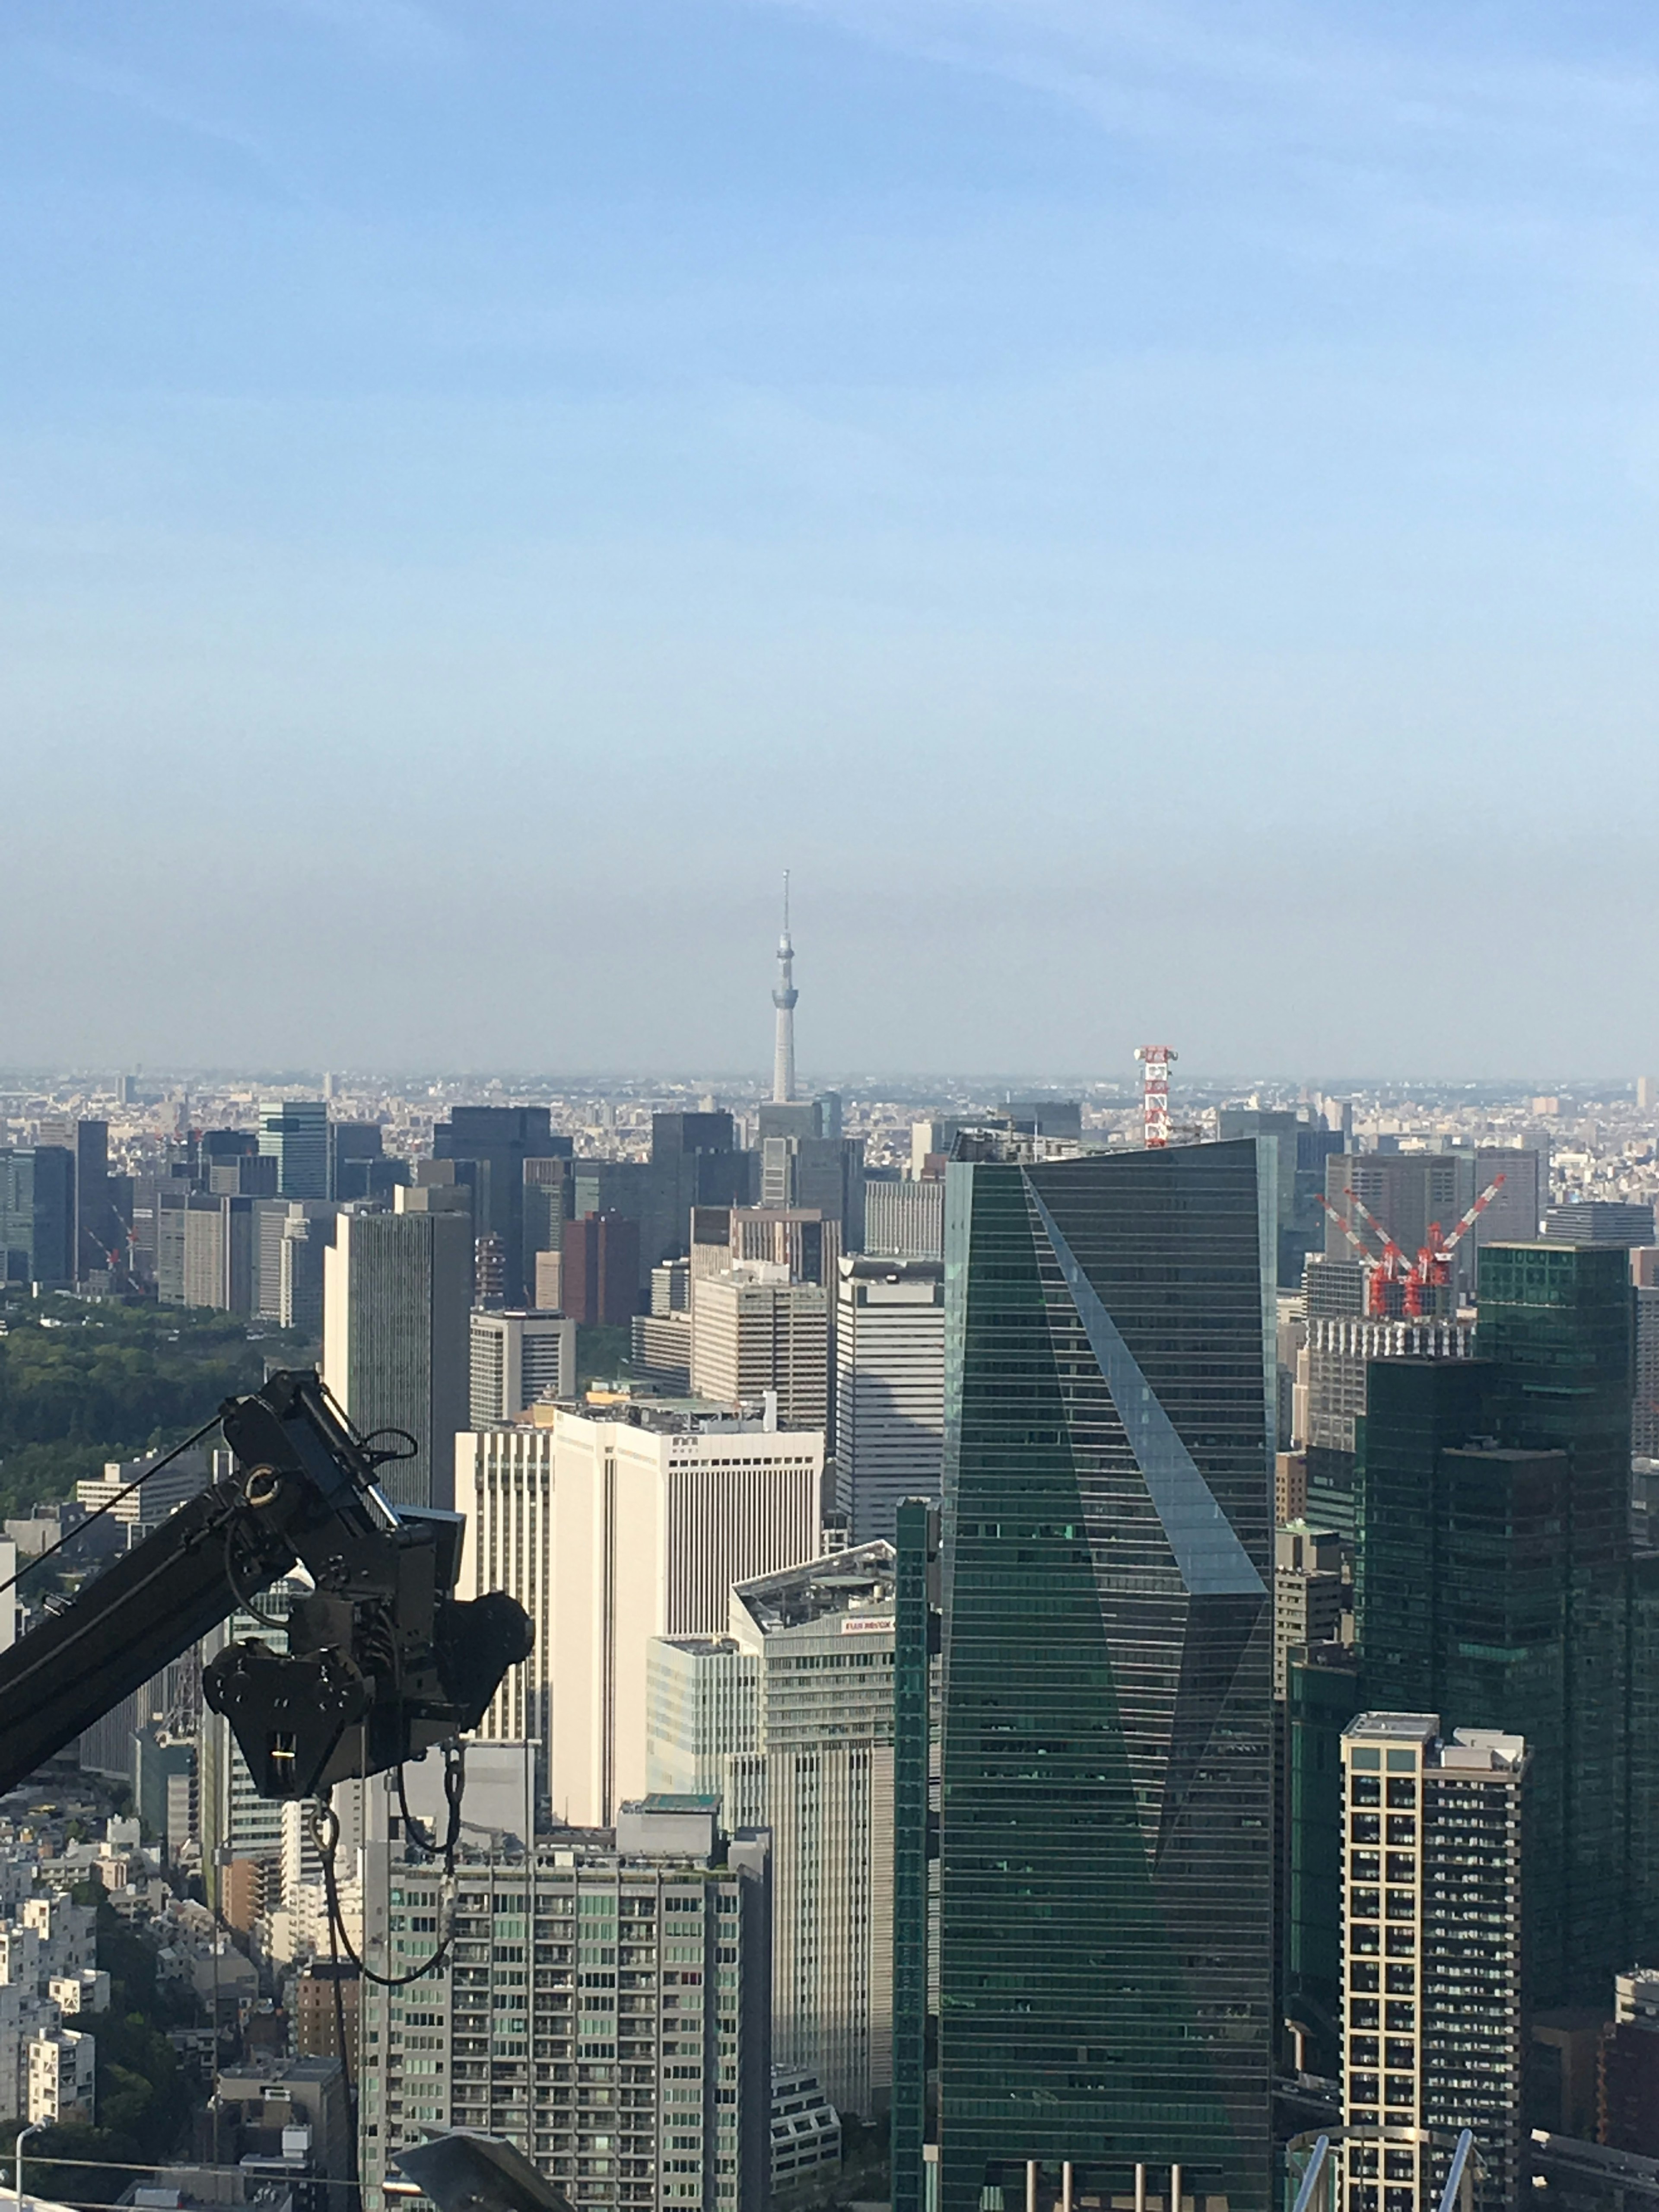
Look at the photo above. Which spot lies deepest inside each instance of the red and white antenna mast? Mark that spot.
(1155, 1092)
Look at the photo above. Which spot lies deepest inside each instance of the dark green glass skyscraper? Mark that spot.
(1494, 1581)
(1105, 1847)
(915, 1625)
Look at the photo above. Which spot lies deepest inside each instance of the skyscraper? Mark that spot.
(890, 1388)
(1106, 1862)
(498, 1140)
(397, 1292)
(295, 1135)
(784, 998)
(790, 1716)
(37, 1215)
(517, 1358)
(1493, 1579)
(1598, 1221)
(905, 1220)
(822, 1175)
(1304, 1148)
(98, 1228)
(222, 1252)
(599, 1270)
(754, 1331)
(609, 1530)
(1433, 1880)
(354, 1149)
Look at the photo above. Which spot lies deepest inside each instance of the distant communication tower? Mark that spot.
(1155, 1092)
(784, 999)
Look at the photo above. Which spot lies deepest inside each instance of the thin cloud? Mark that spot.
(1306, 82)
(398, 28)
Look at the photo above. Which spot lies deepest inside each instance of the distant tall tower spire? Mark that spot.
(784, 998)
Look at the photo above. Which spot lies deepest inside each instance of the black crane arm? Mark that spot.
(383, 1660)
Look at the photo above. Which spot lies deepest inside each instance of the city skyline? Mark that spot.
(670, 1505)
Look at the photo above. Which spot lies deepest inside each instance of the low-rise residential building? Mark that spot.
(62, 2067)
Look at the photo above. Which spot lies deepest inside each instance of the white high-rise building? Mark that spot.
(520, 1358)
(753, 1331)
(609, 1528)
(790, 1715)
(397, 1292)
(1431, 1867)
(606, 2010)
(904, 1220)
(890, 1388)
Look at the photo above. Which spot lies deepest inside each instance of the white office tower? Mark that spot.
(1431, 1955)
(890, 1388)
(611, 1527)
(753, 1331)
(397, 1292)
(519, 1359)
(793, 1711)
(604, 2008)
(905, 1220)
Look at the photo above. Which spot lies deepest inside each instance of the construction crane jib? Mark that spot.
(1420, 1278)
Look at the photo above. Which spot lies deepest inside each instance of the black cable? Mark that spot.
(383, 1458)
(426, 1845)
(337, 1919)
(455, 1786)
(248, 1602)
(347, 2075)
(80, 1528)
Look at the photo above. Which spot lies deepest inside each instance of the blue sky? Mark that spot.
(1150, 510)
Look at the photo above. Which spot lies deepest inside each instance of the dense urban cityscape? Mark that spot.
(1086, 1644)
(828, 1113)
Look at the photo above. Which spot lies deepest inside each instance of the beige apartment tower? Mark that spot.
(1432, 1876)
(753, 1331)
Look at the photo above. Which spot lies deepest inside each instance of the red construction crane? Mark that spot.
(1347, 1228)
(1155, 1059)
(1381, 1268)
(1432, 1270)
(1391, 1267)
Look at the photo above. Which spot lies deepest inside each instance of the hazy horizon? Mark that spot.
(1205, 1083)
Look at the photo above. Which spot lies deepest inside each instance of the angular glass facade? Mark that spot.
(1106, 1846)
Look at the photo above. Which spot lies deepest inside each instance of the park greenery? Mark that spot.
(82, 1382)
